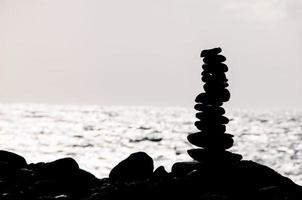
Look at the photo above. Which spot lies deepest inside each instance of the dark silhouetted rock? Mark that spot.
(13, 160)
(212, 117)
(61, 168)
(138, 166)
(209, 109)
(213, 141)
(160, 173)
(183, 168)
(215, 68)
(203, 155)
(214, 59)
(210, 52)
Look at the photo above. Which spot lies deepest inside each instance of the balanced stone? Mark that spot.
(224, 141)
(206, 76)
(213, 128)
(214, 59)
(207, 108)
(203, 155)
(209, 87)
(208, 52)
(223, 95)
(212, 85)
(215, 118)
(215, 67)
(208, 99)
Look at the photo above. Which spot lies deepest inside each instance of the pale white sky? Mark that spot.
(146, 52)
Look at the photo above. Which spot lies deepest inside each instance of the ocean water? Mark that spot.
(100, 137)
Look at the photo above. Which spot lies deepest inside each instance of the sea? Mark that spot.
(99, 137)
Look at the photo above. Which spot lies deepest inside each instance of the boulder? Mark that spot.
(138, 166)
(13, 160)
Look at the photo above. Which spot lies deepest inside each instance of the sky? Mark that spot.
(146, 52)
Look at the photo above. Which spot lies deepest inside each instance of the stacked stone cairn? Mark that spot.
(211, 123)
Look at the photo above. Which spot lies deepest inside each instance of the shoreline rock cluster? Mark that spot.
(214, 173)
(135, 178)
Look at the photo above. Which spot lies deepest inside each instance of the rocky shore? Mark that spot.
(135, 178)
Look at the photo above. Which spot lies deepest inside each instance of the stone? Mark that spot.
(204, 155)
(160, 173)
(208, 108)
(212, 84)
(216, 77)
(222, 96)
(211, 128)
(63, 197)
(208, 99)
(209, 52)
(138, 166)
(223, 141)
(208, 87)
(183, 168)
(59, 168)
(215, 68)
(207, 125)
(214, 59)
(13, 160)
(211, 117)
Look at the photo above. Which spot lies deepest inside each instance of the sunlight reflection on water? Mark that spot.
(100, 137)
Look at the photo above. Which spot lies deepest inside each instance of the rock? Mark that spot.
(210, 128)
(258, 176)
(208, 99)
(13, 160)
(183, 168)
(5, 170)
(208, 87)
(160, 173)
(204, 155)
(59, 168)
(222, 96)
(47, 187)
(214, 59)
(209, 52)
(207, 125)
(211, 117)
(209, 109)
(138, 166)
(217, 77)
(63, 197)
(214, 197)
(215, 68)
(25, 175)
(214, 98)
(223, 141)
